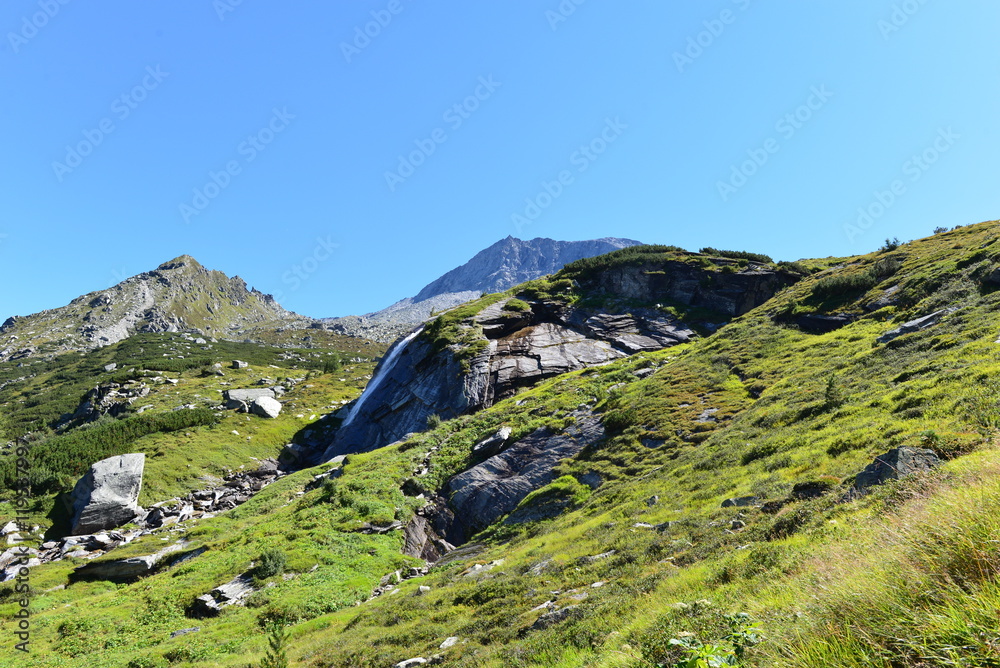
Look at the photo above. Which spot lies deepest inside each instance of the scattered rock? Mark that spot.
(237, 364)
(449, 642)
(184, 632)
(409, 663)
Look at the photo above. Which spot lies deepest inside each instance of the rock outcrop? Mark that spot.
(494, 488)
(517, 347)
(895, 464)
(107, 496)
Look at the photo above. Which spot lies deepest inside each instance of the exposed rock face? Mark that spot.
(107, 496)
(916, 325)
(895, 464)
(503, 265)
(522, 349)
(232, 593)
(484, 493)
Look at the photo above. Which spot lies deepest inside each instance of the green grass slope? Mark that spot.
(648, 569)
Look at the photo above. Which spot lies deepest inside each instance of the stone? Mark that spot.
(233, 592)
(239, 398)
(107, 496)
(9, 528)
(895, 464)
(128, 569)
(184, 632)
(449, 642)
(237, 364)
(493, 444)
(110, 367)
(741, 502)
(916, 325)
(266, 407)
(409, 663)
(552, 618)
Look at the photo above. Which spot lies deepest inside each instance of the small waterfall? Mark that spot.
(386, 367)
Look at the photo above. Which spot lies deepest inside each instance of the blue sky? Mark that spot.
(341, 155)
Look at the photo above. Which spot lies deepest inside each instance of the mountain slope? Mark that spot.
(503, 265)
(179, 295)
(699, 499)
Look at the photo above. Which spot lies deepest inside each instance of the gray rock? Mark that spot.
(492, 445)
(916, 325)
(449, 642)
(233, 592)
(266, 407)
(410, 663)
(237, 364)
(741, 502)
(110, 367)
(484, 493)
(107, 496)
(184, 632)
(126, 570)
(237, 398)
(552, 618)
(895, 464)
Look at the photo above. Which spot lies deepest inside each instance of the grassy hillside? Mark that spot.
(647, 569)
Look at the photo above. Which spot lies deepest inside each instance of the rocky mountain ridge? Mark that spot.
(179, 295)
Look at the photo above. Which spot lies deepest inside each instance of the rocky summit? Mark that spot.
(650, 457)
(179, 295)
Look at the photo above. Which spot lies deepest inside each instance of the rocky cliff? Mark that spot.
(510, 343)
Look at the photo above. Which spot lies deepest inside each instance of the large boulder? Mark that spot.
(266, 407)
(916, 325)
(107, 496)
(895, 464)
(238, 398)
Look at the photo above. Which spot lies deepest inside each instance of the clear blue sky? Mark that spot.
(160, 95)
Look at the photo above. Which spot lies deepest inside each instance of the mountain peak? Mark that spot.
(179, 262)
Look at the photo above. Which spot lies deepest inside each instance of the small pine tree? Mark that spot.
(277, 641)
(832, 396)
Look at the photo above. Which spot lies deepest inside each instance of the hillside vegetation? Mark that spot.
(638, 564)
